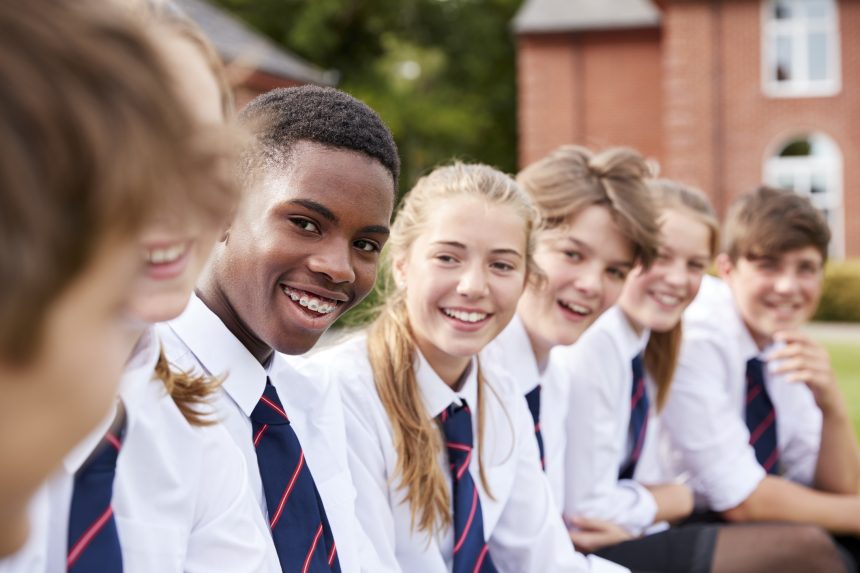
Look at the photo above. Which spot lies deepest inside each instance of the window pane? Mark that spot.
(819, 184)
(783, 9)
(797, 148)
(785, 181)
(818, 56)
(817, 9)
(784, 71)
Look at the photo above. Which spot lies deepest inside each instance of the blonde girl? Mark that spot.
(441, 443)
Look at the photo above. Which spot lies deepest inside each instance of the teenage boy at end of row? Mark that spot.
(755, 411)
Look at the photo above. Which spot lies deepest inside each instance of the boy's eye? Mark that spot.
(617, 274)
(503, 266)
(697, 265)
(445, 258)
(366, 246)
(574, 256)
(305, 224)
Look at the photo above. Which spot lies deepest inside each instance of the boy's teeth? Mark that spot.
(667, 299)
(164, 255)
(578, 309)
(316, 304)
(465, 316)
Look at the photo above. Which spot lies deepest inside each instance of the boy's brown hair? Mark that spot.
(93, 145)
(770, 221)
(573, 178)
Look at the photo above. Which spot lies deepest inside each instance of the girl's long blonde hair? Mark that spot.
(661, 353)
(392, 348)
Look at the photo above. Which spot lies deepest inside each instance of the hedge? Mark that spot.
(840, 298)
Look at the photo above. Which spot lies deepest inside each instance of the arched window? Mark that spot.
(800, 41)
(811, 164)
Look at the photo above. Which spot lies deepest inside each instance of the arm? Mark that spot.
(777, 499)
(674, 501)
(801, 360)
(530, 537)
(596, 430)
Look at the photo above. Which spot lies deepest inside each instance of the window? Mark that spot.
(800, 54)
(811, 164)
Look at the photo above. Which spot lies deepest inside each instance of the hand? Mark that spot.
(589, 535)
(802, 360)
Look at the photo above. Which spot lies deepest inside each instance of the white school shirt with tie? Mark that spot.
(198, 341)
(511, 351)
(705, 413)
(180, 496)
(521, 525)
(599, 372)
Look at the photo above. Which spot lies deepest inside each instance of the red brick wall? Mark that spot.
(596, 89)
(690, 95)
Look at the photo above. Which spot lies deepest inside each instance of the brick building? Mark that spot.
(259, 64)
(724, 94)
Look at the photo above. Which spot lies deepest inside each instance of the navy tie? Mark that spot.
(533, 400)
(93, 541)
(639, 409)
(471, 554)
(303, 537)
(761, 418)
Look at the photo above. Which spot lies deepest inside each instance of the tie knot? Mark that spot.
(755, 370)
(457, 426)
(269, 409)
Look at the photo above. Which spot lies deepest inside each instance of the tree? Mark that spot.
(441, 73)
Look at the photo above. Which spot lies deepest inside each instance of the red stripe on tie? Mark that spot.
(481, 556)
(774, 455)
(640, 391)
(113, 440)
(87, 537)
(465, 465)
(260, 434)
(468, 521)
(274, 407)
(288, 491)
(461, 447)
(764, 425)
(332, 553)
(755, 391)
(537, 427)
(313, 548)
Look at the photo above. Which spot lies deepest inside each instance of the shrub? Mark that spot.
(840, 298)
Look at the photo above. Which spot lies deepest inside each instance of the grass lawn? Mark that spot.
(846, 363)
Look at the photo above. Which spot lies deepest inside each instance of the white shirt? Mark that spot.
(512, 352)
(599, 371)
(705, 411)
(31, 557)
(198, 341)
(180, 497)
(524, 532)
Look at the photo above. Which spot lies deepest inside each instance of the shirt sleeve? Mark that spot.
(530, 536)
(597, 441)
(706, 428)
(229, 532)
(800, 434)
(367, 465)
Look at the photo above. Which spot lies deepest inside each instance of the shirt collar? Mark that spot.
(514, 342)
(632, 344)
(221, 354)
(437, 394)
(82, 450)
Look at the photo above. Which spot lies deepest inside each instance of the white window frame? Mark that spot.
(801, 170)
(799, 30)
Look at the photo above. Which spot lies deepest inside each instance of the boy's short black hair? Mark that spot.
(769, 221)
(284, 116)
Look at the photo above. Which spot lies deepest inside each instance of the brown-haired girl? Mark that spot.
(441, 443)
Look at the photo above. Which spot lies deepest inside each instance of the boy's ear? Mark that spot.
(724, 265)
